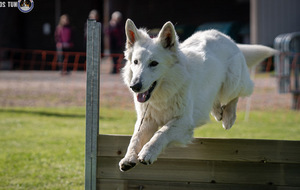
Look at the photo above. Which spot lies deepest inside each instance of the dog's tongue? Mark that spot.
(141, 97)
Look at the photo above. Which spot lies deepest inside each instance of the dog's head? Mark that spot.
(148, 60)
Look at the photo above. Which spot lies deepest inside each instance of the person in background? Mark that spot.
(93, 15)
(63, 39)
(116, 38)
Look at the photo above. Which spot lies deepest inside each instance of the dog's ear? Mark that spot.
(131, 33)
(167, 36)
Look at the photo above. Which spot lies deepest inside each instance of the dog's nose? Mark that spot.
(136, 87)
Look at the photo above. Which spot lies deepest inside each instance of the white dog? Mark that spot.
(175, 86)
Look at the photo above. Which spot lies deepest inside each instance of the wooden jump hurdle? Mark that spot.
(222, 164)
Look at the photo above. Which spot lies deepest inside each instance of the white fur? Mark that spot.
(206, 73)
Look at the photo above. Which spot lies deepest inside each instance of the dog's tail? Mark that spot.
(254, 54)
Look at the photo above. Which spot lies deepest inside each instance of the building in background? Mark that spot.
(260, 20)
(269, 18)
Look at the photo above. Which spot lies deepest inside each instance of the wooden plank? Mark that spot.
(202, 171)
(266, 151)
(104, 184)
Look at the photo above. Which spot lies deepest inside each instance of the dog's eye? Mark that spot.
(153, 64)
(135, 62)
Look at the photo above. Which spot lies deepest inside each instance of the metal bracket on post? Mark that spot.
(92, 102)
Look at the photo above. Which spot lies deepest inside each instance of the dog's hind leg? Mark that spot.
(229, 114)
(217, 111)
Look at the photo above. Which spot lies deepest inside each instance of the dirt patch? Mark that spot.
(48, 88)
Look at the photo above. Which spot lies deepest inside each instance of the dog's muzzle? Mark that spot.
(143, 97)
(136, 87)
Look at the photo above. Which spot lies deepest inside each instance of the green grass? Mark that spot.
(280, 125)
(43, 148)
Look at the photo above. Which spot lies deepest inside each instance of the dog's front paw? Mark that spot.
(127, 163)
(148, 155)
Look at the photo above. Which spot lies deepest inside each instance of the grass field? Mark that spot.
(43, 148)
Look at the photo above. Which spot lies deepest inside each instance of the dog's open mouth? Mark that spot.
(143, 97)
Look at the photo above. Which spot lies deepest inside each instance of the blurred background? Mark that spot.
(245, 20)
(43, 78)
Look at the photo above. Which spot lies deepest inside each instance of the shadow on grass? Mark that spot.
(42, 113)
